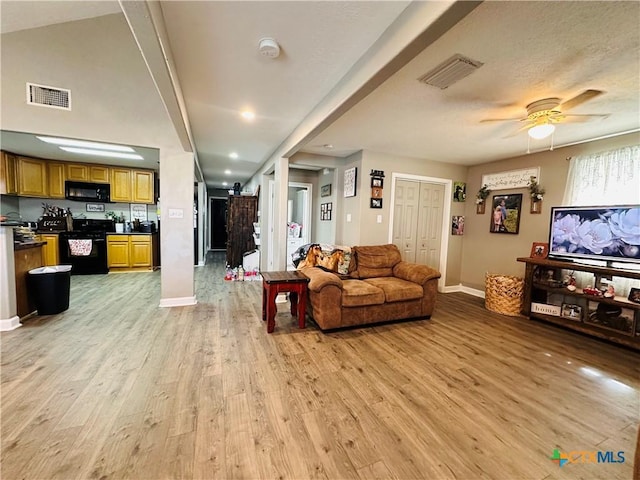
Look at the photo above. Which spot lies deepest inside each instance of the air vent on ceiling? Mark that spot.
(52, 97)
(450, 71)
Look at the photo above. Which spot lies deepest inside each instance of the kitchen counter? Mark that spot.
(132, 233)
(25, 245)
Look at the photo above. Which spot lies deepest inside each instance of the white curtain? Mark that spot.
(605, 178)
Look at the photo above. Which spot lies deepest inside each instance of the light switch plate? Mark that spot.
(379, 219)
(348, 217)
(176, 213)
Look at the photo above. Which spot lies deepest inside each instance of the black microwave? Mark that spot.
(87, 192)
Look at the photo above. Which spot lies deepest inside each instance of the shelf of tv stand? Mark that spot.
(617, 300)
(629, 338)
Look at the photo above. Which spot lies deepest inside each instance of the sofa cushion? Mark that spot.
(376, 260)
(396, 289)
(356, 293)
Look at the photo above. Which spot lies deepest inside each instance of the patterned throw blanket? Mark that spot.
(335, 258)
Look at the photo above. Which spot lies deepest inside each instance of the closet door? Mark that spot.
(405, 218)
(429, 231)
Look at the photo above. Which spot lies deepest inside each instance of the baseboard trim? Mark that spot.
(178, 301)
(463, 289)
(10, 324)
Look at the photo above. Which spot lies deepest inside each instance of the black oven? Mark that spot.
(85, 248)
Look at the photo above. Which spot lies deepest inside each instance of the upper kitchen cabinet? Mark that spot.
(56, 178)
(131, 185)
(142, 186)
(8, 174)
(77, 172)
(120, 185)
(99, 174)
(32, 177)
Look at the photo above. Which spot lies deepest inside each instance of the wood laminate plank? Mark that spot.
(118, 388)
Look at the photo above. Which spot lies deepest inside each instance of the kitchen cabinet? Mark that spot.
(99, 173)
(142, 186)
(25, 258)
(77, 172)
(120, 185)
(242, 211)
(50, 251)
(8, 174)
(132, 251)
(56, 178)
(32, 177)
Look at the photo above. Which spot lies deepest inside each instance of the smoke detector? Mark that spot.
(269, 47)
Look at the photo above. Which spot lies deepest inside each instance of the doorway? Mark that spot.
(218, 209)
(298, 212)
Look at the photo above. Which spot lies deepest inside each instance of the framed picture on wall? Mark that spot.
(505, 213)
(350, 175)
(325, 190)
(376, 203)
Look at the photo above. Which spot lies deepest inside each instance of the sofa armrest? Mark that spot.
(318, 278)
(415, 273)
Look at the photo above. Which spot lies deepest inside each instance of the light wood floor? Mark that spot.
(117, 388)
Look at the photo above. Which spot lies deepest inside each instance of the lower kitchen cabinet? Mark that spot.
(50, 251)
(130, 252)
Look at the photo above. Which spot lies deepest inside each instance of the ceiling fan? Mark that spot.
(543, 114)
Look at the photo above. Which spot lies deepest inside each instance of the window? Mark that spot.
(604, 178)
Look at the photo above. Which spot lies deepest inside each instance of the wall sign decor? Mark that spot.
(139, 211)
(350, 177)
(510, 179)
(505, 213)
(95, 207)
(325, 190)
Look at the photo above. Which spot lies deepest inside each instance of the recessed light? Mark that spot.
(82, 144)
(224, 184)
(228, 172)
(327, 146)
(248, 115)
(102, 153)
(233, 155)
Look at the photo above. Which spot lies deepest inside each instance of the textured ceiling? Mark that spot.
(530, 50)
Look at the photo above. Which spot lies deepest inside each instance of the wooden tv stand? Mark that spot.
(544, 299)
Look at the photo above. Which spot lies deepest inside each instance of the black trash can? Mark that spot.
(49, 288)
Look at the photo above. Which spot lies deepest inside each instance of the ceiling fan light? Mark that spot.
(541, 131)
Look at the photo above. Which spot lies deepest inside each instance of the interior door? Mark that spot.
(405, 218)
(429, 231)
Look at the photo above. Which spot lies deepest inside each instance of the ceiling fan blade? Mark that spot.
(580, 99)
(502, 120)
(527, 126)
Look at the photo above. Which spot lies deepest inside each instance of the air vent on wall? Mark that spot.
(52, 97)
(450, 71)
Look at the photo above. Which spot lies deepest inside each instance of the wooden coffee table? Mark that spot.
(277, 282)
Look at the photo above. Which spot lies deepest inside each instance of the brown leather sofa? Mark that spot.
(380, 287)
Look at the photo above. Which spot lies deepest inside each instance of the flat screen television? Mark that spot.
(609, 233)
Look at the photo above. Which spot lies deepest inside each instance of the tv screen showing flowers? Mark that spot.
(600, 233)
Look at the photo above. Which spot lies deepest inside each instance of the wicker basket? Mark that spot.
(503, 294)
